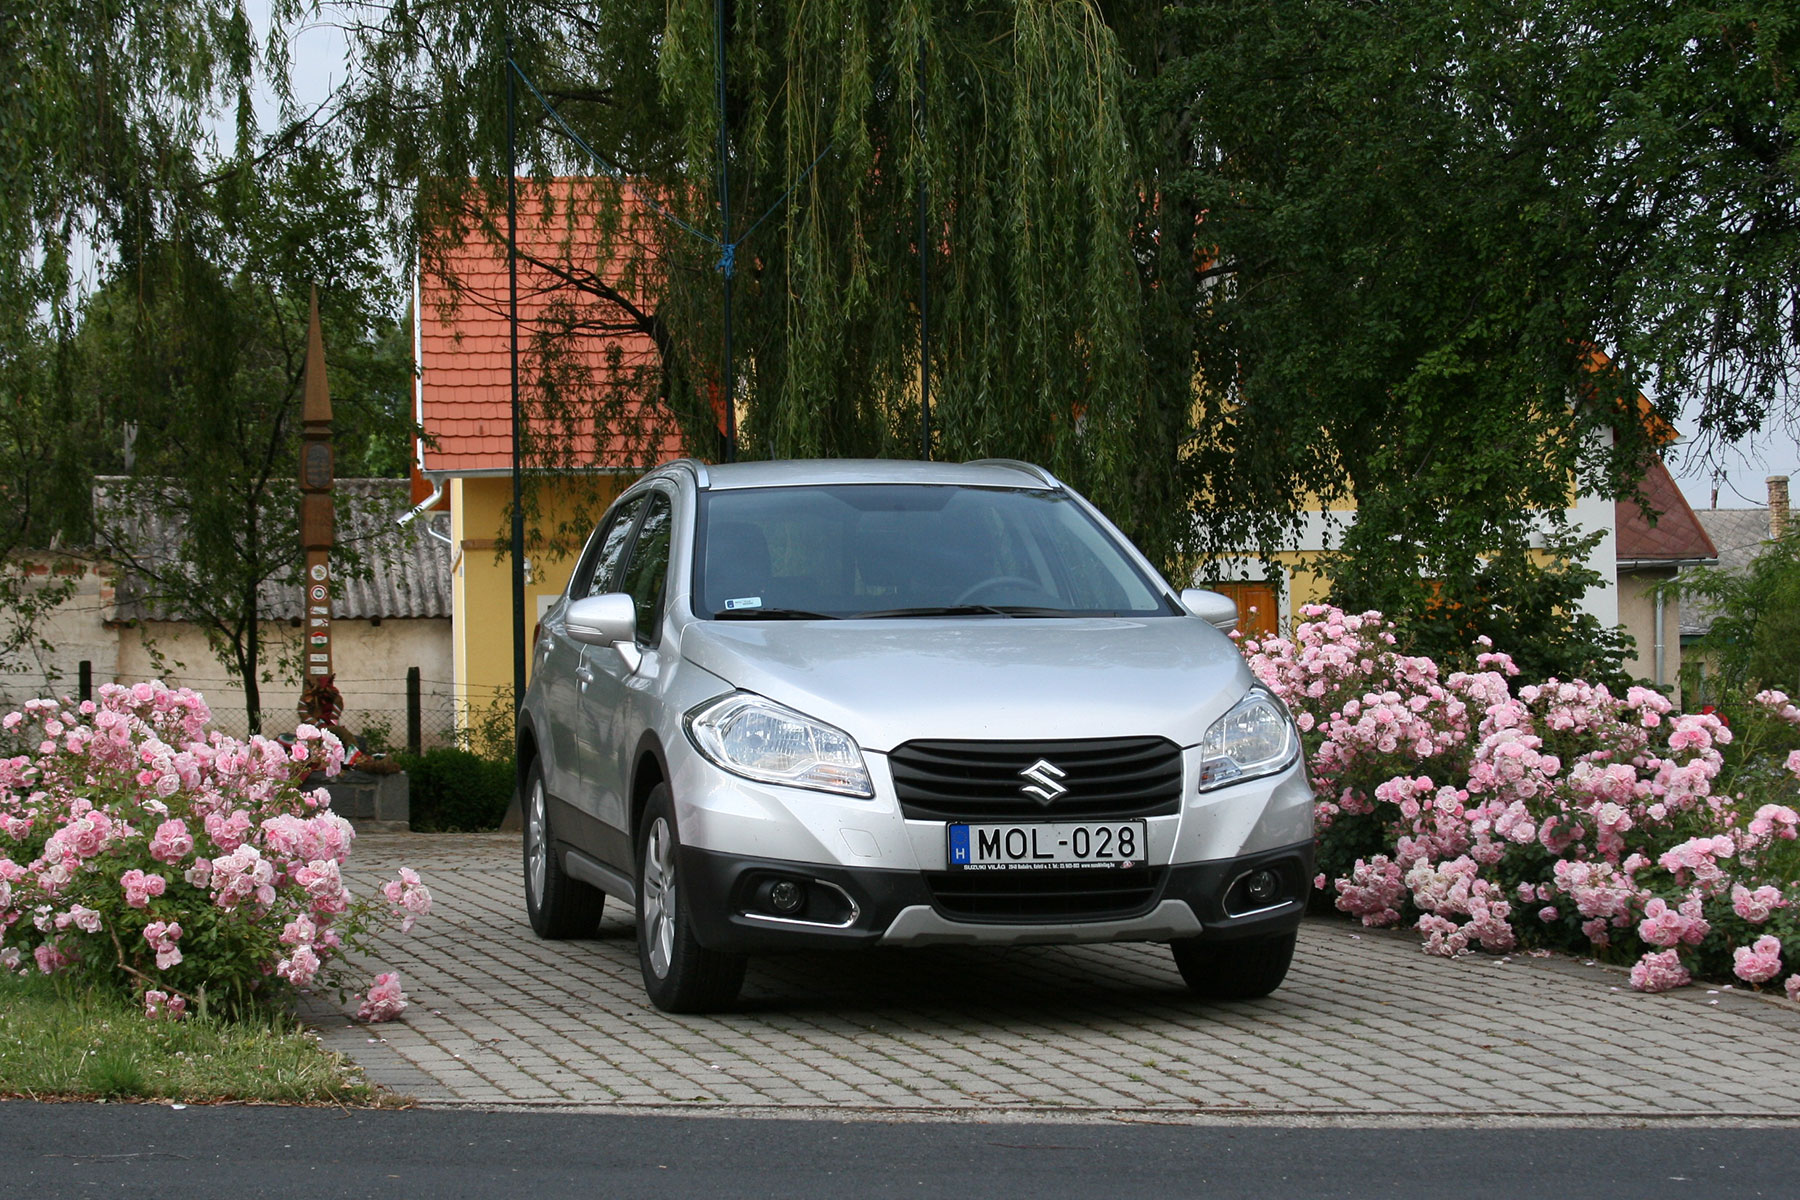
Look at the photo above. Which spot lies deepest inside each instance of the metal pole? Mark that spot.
(727, 263)
(512, 287)
(924, 277)
(415, 716)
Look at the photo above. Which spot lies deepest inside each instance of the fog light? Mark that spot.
(786, 896)
(1263, 887)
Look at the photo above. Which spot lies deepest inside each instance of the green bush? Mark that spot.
(455, 791)
(1754, 640)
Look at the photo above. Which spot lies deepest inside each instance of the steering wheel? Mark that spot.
(975, 589)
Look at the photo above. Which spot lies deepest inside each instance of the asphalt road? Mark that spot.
(53, 1151)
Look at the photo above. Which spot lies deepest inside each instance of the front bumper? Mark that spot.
(849, 907)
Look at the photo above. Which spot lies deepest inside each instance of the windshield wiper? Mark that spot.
(971, 610)
(772, 614)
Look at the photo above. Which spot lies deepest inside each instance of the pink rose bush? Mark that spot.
(1564, 814)
(141, 851)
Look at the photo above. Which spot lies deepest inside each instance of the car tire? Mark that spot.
(558, 906)
(680, 975)
(1243, 970)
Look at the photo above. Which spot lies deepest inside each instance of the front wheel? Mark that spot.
(1244, 970)
(680, 975)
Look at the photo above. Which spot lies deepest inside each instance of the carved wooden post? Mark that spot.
(319, 701)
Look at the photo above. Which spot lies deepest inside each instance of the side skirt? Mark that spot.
(615, 885)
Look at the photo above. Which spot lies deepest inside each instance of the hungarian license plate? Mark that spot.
(1047, 846)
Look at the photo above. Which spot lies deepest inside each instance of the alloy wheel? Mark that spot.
(537, 845)
(659, 896)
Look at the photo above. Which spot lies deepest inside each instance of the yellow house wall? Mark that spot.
(1637, 615)
(482, 581)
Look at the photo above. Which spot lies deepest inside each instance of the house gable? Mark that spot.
(1675, 537)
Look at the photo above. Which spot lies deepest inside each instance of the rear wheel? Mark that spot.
(1243, 970)
(680, 974)
(559, 907)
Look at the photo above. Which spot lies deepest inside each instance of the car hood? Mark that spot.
(886, 682)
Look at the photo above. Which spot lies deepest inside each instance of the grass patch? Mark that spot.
(69, 1045)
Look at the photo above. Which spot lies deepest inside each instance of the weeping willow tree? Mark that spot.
(100, 115)
(829, 120)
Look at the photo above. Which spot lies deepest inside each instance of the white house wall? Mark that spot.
(371, 660)
(76, 632)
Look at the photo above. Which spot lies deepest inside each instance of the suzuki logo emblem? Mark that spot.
(1044, 775)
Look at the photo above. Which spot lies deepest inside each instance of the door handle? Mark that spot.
(585, 674)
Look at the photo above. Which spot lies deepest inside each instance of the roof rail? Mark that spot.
(1014, 464)
(693, 466)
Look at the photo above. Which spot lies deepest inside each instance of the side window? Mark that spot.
(647, 571)
(600, 573)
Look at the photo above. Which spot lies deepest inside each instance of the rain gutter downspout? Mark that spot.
(437, 479)
(1659, 637)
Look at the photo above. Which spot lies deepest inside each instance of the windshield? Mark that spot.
(898, 550)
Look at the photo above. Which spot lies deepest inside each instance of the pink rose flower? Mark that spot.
(50, 960)
(162, 936)
(1758, 962)
(384, 1000)
(1756, 906)
(140, 888)
(172, 842)
(161, 1005)
(409, 895)
(1660, 972)
(299, 967)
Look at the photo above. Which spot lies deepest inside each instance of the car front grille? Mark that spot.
(1006, 897)
(1100, 779)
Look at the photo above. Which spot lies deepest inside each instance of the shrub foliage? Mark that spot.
(142, 854)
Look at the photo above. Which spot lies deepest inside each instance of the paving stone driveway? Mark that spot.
(1365, 1025)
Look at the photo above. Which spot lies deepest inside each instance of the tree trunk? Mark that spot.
(247, 656)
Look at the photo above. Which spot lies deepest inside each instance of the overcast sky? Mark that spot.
(1743, 483)
(319, 55)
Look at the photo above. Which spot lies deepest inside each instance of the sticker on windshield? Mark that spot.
(744, 602)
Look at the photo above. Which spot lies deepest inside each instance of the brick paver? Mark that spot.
(1366, 1024)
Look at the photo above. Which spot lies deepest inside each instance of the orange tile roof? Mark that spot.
(1677, 535)
(464, 362)
(1661, 432)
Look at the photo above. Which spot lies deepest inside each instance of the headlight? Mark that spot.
(1255, 738)
(759, 739)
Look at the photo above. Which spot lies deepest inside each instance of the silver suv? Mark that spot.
(788, 705)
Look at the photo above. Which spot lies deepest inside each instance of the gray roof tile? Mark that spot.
(1740, 535)
(408, 571)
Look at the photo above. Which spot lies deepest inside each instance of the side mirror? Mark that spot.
(1219, 611)
(602, 620)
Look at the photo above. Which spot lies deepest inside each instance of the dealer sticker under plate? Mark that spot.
(1045, 847)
